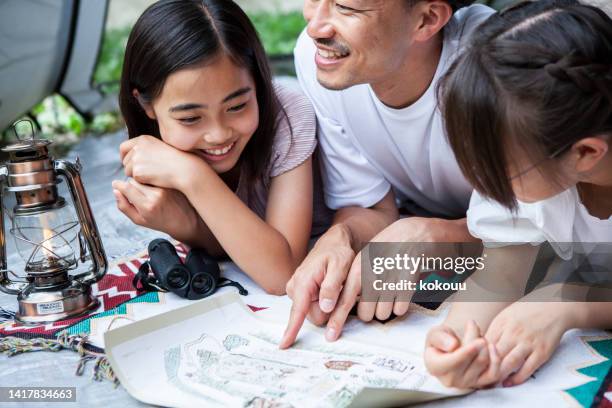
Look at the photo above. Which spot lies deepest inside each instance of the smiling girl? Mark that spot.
(218, 156)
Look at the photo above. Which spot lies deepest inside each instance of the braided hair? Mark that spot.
(537, 75)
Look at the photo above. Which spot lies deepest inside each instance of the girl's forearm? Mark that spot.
(492, 289)
(592, 315)
(570, 302)
(256, 247)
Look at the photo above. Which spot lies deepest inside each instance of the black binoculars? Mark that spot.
(198, 278)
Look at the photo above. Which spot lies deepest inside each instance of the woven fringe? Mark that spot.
(102, 370)
(6, 315)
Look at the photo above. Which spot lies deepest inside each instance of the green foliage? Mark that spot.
(278, 32)
(55, 115)
(58, 120)
(110, 61)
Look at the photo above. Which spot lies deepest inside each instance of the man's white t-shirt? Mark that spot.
(368, 147)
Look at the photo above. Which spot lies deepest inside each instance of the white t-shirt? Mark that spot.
(559, 219)
(368, 147)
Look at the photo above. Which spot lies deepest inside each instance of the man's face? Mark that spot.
(358, 41)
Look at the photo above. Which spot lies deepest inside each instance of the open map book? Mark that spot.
(217, 352)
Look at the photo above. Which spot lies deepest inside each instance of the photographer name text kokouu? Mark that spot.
(407, 285)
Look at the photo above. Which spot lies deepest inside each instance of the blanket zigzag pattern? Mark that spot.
(598, 392)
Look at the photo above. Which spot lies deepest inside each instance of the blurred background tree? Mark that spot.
(278, 23)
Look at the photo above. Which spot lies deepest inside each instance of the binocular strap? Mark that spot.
(223, 282)
(147, 282)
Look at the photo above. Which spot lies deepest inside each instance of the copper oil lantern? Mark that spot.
(57, 238)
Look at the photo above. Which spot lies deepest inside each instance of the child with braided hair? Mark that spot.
(528, 113)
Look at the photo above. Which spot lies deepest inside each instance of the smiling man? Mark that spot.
(370, 68)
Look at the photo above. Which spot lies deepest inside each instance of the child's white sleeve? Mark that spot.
(552, 220)
(493, 223)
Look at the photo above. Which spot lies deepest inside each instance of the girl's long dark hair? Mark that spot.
(175, 34)
(538, 76)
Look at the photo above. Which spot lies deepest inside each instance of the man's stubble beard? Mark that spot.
(345, 84)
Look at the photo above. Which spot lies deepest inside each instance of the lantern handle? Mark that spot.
(71, 172)
(32, 131)
(6, 285)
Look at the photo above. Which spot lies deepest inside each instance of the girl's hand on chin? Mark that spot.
(149, 160)
(161, 209)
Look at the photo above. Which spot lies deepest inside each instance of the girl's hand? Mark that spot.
(151, 161)
(468, 363)
(526, 334)
(161, 209)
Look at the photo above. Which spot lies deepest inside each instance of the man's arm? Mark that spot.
(362, 196)
(364, 223)
(316, 284)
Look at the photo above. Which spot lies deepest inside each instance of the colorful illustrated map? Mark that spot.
(234, 360)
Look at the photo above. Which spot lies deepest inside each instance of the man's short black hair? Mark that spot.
(455, 4)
